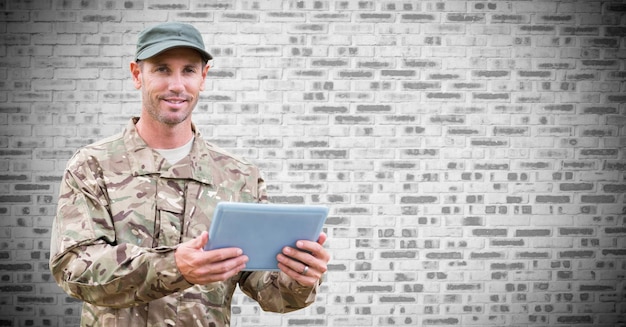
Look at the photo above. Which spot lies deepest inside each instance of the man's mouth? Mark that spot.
(175, 101)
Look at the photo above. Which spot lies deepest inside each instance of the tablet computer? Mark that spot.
(262, 230)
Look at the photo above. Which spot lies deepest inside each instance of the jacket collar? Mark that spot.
(145, 161)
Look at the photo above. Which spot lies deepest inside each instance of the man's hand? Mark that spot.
(204, 267)
(306, 263)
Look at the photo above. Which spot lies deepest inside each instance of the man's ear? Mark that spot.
(135, 71)
(205, 71)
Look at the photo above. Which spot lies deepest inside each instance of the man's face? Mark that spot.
(170, 84)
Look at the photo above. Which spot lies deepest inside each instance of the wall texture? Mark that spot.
(473, 153)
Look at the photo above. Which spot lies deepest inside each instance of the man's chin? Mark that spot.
(172, 120)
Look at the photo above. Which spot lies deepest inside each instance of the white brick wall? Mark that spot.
(472, 152)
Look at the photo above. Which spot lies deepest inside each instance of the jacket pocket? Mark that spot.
(170, 210)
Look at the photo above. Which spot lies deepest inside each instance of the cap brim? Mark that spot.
(154, 50)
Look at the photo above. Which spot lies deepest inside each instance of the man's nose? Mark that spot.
(176, 83)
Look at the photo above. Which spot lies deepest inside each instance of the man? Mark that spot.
(134, 210)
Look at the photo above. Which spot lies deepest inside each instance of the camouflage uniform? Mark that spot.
(122, 211)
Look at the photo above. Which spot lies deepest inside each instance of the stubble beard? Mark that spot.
(166, 117)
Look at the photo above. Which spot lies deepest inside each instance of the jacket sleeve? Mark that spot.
(85, 259)
(276, 292)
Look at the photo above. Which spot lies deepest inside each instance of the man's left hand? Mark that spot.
(306, 263)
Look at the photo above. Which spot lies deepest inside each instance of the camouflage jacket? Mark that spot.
(122, 211)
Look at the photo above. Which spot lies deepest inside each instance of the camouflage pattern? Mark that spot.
(122, 211)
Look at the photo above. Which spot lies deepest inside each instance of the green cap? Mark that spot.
(159, 38)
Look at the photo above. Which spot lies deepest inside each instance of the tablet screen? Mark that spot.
(262, 230)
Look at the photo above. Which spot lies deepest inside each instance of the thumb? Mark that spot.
(200, 241)
(322, 239)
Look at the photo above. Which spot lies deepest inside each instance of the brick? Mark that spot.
(418, 199)
(489, 142)
(614, 252)
(376, 17)
(552, 199)
(99, 18)
(555, 19)
(444, 96)
(235, 16)
(466, 18)
(415, 18)
(401, 74)
(532, 232)
(505, 18)
(598, 199)
(373, 108)
(420, 153)
(17, 267)
(14, 177)
(486, 255)
(577, 254)
(614, 188)
(494, 232)
(575, 319)
(15, 198)
(353, 51)
(491, 166)
(306, 322)
(576, 186)
(507, 242)
(329, 154)
(532, 255)
(600, 64)
(397, 299)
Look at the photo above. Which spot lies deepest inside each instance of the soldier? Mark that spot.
(134, 210)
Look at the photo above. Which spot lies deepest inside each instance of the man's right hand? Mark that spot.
(204, 267)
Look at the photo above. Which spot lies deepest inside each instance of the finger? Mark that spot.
(313, 248)
(308, 246)
(210, 266)
(308, 280)
(219, 255)
(308, 253)
(199, 259)
(227, 265)
(225, 275)
(218, 272)
(298, 261)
